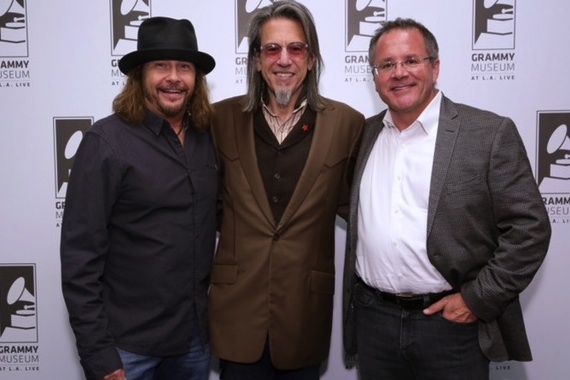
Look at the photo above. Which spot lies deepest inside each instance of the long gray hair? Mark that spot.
(256, 85)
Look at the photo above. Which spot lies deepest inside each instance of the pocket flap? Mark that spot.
(322, 282)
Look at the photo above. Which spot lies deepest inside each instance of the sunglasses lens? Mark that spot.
(296, 50)
(272, 50)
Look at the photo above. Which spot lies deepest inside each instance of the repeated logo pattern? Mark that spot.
(68, 133)
(494, 24)
(363, 18)
(13, 29)
(18, 317)
(126, 17)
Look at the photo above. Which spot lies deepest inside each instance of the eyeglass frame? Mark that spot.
(415, 62)
(304, 45)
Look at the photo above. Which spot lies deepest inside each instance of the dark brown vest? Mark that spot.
(281, 165)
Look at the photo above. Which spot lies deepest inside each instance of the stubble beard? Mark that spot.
(167, 110)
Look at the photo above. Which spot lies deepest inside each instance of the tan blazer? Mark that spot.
(273, 281)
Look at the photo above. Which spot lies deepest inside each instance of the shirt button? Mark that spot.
(277, 176)
(274, 199)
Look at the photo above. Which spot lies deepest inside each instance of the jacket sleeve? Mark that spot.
(522, 227)
(92, 188)
(356, 126)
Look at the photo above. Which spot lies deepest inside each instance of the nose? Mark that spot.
(172, 74)
(284, 58)
(399, 70)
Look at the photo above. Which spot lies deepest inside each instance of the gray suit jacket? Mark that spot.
(487, 230)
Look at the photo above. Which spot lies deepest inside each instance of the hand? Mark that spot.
(117, 375)
(453, 309)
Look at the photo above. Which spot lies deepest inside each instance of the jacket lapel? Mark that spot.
(246, 149)
(370, 134)
(373, 127)
(447, 133)
(322, 141)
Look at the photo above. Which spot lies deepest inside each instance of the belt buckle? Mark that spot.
(409, 301)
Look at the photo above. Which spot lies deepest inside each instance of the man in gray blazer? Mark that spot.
(446, 228)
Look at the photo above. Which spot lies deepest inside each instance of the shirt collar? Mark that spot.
(301, 107)
(430, 117)
(155, 123)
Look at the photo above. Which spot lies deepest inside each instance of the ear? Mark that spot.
(435, 70)
(311, 63)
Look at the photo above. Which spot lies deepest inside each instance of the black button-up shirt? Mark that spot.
(137, 240)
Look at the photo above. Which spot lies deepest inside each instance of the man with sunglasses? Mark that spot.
(285, 154)
(446, 226)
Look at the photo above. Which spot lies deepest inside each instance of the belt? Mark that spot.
(407, 301)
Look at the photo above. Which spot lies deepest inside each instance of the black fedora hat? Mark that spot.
(163, 38)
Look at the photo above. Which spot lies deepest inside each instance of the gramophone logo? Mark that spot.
(553, 152)
(13, 29)
(18, 314)
(363, 17)
(68, 133)
(553, 163)
(127, 16)
(493, 31)
(494, 24)
(244, 11)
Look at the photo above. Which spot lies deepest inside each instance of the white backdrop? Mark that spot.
(58, 74)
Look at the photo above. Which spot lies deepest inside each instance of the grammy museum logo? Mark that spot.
(18, 318)
(244, 10)
(553, 163)
(126, 18)
(68, 133)
(363, 18)
(14, 71)
(493, 44)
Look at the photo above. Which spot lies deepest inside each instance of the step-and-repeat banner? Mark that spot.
(58, 74)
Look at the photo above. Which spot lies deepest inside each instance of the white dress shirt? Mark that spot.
(391, 252)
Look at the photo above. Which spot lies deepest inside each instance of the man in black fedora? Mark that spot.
(138, 232)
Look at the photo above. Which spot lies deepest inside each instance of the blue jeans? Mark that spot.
(398, 344)
(195, 365)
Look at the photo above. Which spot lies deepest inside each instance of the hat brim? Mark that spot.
(203, 61)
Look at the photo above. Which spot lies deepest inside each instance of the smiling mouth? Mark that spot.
(171, 91)
(402, 87)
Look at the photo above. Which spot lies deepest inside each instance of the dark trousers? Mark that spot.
(399, 344)
(263, 369)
